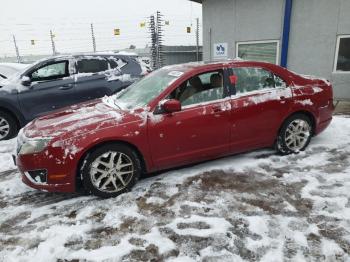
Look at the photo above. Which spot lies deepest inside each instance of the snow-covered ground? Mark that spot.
(250, 207)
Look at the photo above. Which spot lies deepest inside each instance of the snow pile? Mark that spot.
(251, 207)
(7, 148)
(123, 78)
(304, 102)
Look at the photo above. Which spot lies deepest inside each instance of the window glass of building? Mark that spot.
(343, 56)
(262, 51)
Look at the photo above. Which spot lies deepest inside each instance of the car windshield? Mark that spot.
(141, 93)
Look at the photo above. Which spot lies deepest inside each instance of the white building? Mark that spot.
(307, 36)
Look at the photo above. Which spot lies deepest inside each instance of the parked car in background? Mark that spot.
(9, 69)
(175, 116)
(61, 81)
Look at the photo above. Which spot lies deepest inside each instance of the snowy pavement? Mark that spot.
(250, 207)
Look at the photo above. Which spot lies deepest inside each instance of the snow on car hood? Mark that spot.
(77, 120)
(12, 84)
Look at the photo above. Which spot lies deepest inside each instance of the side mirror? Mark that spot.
(171, 106)
(26, 81)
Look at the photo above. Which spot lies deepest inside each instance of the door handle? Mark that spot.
(65, 87)
(283, 99)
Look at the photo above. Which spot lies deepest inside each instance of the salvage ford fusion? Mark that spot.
(175, 116)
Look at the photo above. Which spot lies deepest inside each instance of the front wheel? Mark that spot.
(295, 135)
(111, 170)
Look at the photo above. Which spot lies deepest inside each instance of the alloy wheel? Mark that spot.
(297, 134)
(111, 172)
(4, 128)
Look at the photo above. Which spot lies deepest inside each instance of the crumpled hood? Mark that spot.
(77, 120)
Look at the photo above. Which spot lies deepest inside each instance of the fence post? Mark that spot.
(16, 48)
(53, 43)
(197, 39)
(93, 38)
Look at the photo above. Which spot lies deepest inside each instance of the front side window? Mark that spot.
(251, 79)
(200, 88)
(342, 63)
(92, 65)
(258, 51)
(51, 71)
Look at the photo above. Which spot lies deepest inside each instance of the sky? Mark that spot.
(70, 22)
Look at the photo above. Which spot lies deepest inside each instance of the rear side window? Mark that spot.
(116, 62)
(92, 65)
(251, 79)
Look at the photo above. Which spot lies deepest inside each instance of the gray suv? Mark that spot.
(61, 81)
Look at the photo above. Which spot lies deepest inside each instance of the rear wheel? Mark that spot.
(111, 170)
(295, 134)
(8, 126)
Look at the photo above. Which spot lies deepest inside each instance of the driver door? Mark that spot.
(51, 88)
(200, 131)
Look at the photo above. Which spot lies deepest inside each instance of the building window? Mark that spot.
(265, 51)
(342, 56)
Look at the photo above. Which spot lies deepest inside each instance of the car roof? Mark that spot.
(106, 54)
(76, 55)
(205, 65)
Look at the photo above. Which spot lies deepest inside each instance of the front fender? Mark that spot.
(11, 105)
(71, 149)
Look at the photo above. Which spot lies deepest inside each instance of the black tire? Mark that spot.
(281, 144)
(13, 126)
(87, 174)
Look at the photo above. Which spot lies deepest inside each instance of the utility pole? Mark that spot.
(159, 39)
(197, 38)
(16, 48)
(53, 43)
(156, 32)
(152, 30)
(93, 38)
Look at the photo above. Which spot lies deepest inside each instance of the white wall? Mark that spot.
(315, 25)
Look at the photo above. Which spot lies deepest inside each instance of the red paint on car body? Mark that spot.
(205, 131)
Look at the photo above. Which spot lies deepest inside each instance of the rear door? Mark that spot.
(90, 78)
(52, 87)
(122, 74)
(260, 102)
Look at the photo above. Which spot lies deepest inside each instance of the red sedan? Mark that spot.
(175, 116)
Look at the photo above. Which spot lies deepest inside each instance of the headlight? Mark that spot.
(33, 146)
